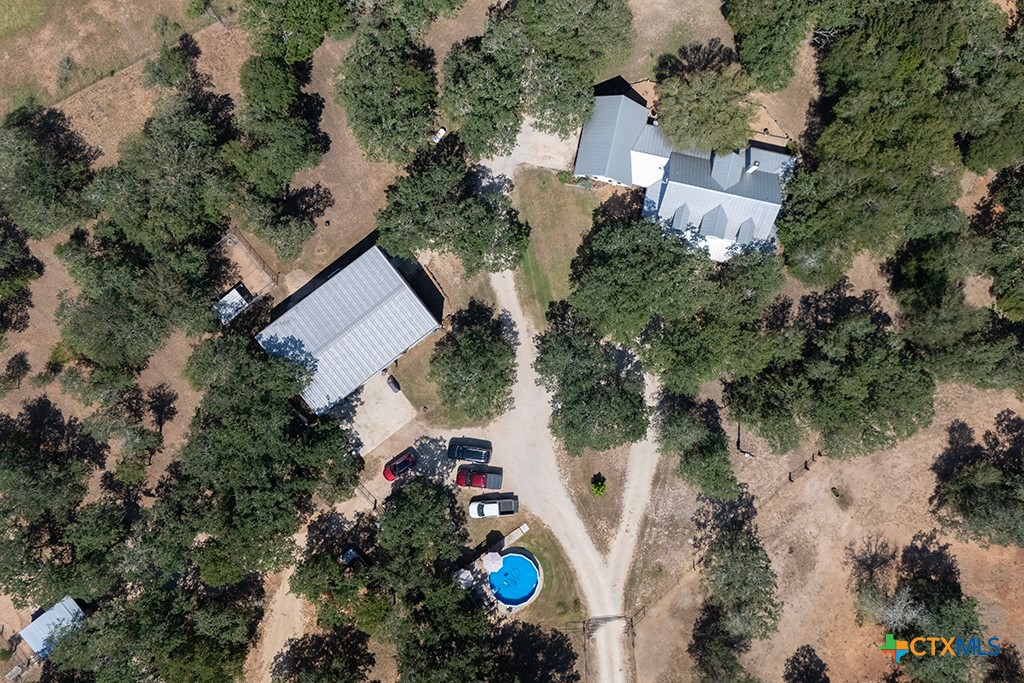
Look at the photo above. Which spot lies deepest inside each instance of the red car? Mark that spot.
(400, 464)
(467, 476)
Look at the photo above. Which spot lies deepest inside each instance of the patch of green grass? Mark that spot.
(20, 14)
(559, 601)
(559, 215)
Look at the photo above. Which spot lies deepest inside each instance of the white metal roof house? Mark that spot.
(356, 323)
(41, 634)
(718, 201)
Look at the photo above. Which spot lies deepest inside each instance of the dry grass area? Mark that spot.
(600, 514)
(98, 36)
(865, 273)
(805, 530)
(559, 216)
(663, 26)
(786, 110)
(447, 32)
(107, 112)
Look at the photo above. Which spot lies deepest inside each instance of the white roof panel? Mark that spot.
(38, 635)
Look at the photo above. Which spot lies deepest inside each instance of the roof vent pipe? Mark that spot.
(753, 167)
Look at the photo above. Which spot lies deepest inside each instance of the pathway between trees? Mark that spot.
(531, 470)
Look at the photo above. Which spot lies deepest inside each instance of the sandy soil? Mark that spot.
(805, 532)
(663, 26)
(601, 514)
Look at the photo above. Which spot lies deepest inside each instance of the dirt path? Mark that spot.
(537, 481)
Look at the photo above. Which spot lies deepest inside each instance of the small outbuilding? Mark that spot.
(353, 325)
(42, 633)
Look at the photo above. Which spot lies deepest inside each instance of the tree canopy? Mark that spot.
(978, 484)
(703, 104)
(44, 169)
(853, 379)
(294, 29)
(387, 86)
(439, 204)
(597, 395)
(474, 364)
(692, 432)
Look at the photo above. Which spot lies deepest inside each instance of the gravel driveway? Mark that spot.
(535, 148)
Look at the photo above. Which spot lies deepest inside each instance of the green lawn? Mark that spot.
(559, 215)
(559, 601)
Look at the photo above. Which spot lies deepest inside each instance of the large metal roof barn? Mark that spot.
(40, 634)
(359, 321)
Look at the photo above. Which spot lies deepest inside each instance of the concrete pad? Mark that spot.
(381, 413)
(536, 148)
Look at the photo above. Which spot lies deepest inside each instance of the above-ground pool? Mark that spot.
(516, 582)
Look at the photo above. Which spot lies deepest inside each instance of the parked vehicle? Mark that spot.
(400, 464)
(439, 135)
(354, 558)
(470, 450)
(493, 508)
(393, 383)
(478, 479)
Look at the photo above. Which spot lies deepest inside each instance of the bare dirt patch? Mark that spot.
(663, 26)
(42, 333)
(805, 531)
(356, 183)
(973, 188)
(978, 291)
(166, 366)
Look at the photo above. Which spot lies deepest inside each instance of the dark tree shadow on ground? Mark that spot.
(14, 312)
(710, 638)
(805, 666)
(343, 650)
(716, 516)
(307, 203)
(695, 58)
(871, 562)
(160, 402)
(821, 310)
(929, 570)
(1006, 666)
(432, 461)
(52, 130)
(529, 653)
(330, 533)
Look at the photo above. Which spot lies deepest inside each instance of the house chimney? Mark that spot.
(753, 167)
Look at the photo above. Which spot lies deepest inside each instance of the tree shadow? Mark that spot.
(716, 517)
(432, 461)
(342, 650)
(331, 532)
(712, 645)
(820, 311)
(529, 653)
(872, 562)
(929, 570)
(307, 203)
(253, 317)
(1006, 666)
(310, 108)
(160, 402)
(695, 58)
(14, 311)
(57, 441)
(805, 666)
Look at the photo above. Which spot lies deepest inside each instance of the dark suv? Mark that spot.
(470, 450)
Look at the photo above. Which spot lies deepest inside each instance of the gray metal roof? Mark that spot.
(653, 141)
(39, 635)
(349, 328)
(608, 137)
(726, 169)
(714, 223)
